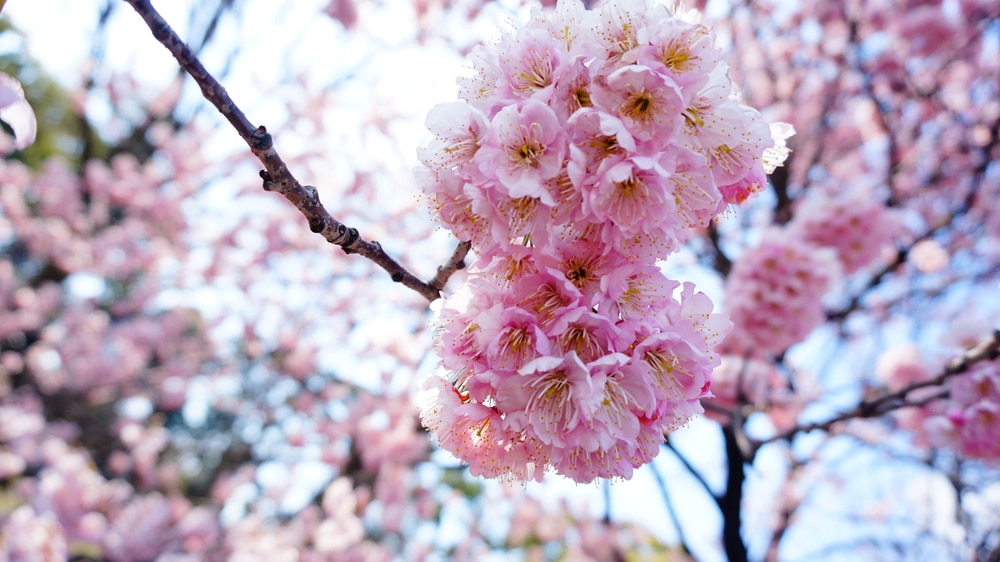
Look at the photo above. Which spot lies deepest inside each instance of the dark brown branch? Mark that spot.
(988, 350)
(779, 184)
(276, 175)
(720, 261)
(874, 281)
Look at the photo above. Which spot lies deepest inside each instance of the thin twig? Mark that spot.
(694, 472)
(671, 510)
(454, 263)
(276, 175)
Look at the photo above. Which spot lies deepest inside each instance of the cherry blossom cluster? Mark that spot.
(774, 293)
(964, 420)
(971, 414)
(70, 504)
(589, 145)
(856, 225)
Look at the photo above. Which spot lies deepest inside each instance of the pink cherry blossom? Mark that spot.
(858, 227)
(633, 196)
(969, 418)
(649, 104)
(16, 112)
(525, 147)
(458, 130)
(774, 294)
(531, 66)
(169, 334)
(32, 537)
(342, 528)
(556, 395)
(901, 366)
(144, 529)
(683, 50)
(518, 340)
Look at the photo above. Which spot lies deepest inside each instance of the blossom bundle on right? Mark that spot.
(971, 414)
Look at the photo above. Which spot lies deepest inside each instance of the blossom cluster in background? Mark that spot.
(590, 145)
(775, 292)
(967, 420)
(775, 295)
(961, 414)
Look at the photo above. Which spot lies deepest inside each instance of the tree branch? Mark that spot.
(988, 350)
(276, 175)
(786, 509)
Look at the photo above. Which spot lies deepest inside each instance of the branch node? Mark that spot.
(268, 180)
(261, 139)
(397, 277)
(317, 223)
(346, 237)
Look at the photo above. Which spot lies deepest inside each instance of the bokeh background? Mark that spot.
(187, 373)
